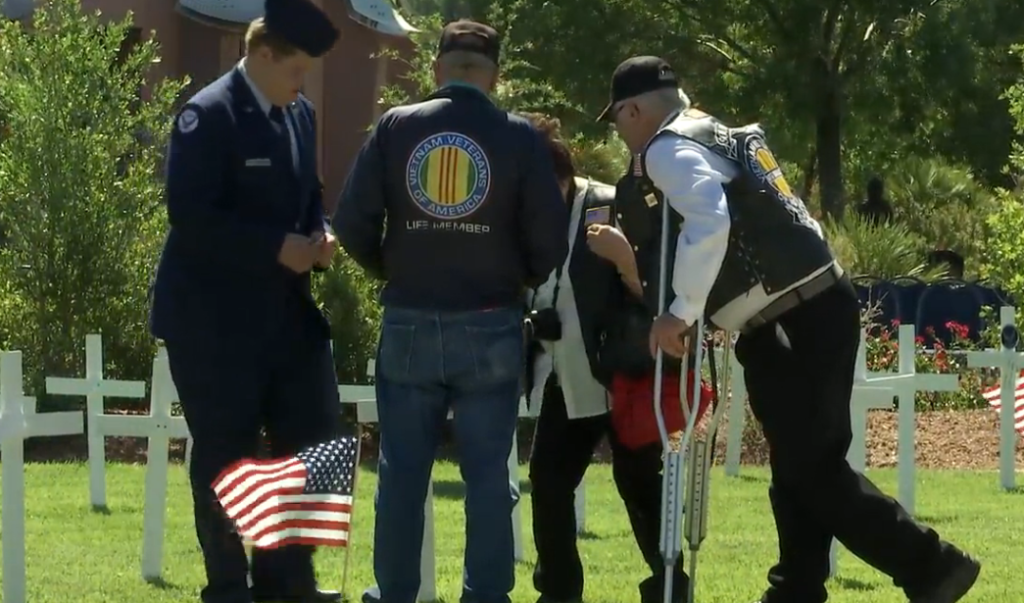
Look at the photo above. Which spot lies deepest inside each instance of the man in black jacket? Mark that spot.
(474, 217)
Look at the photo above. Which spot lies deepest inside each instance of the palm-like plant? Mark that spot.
(882, 250)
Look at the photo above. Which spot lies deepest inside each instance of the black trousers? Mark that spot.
(232, 394)
(799, 375)
(562, 451)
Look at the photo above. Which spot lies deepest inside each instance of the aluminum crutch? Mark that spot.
(670, 543)
(701, 458)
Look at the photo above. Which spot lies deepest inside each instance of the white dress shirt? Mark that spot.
(584, 395)
(691, 177)
(266, 105)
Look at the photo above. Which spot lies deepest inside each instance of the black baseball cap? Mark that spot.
(302, 24)
(470, 36)
(636, 76)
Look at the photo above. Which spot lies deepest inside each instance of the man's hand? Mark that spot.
(609, 243)
(669, 333)
(326, 244)
(298, 253)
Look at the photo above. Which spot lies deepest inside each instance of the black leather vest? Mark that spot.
(595, 285)
(772, 240)
(638, 213)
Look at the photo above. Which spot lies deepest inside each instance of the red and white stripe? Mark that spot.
(269, 508)
(994, 397)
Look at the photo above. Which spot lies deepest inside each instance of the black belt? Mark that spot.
(794, 298)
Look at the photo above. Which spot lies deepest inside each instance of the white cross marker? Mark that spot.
(906, 390)
(737, 400)
(20, 422)
(95, 388)
(1009, 362)
(159, 427)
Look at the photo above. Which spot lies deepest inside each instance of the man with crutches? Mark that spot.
(751, 259)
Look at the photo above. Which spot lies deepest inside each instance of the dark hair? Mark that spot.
(876, 189)
(561, 156)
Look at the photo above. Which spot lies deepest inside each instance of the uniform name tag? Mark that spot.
(598, 215)
(651, 199)
(260, 162)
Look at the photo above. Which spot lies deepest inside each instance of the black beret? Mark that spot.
(302, 24)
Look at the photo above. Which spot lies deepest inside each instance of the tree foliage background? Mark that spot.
(80, 190)
(927, 94)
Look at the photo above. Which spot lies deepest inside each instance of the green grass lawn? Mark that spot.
(76, 554)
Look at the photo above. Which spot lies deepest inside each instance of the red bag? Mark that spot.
(633, 416)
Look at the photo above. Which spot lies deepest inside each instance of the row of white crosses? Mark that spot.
(19, 421)
(365, 399)
(158, 427)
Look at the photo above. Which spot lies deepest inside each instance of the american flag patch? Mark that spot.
(598, 215)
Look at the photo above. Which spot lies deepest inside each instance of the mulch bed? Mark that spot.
(945, 439)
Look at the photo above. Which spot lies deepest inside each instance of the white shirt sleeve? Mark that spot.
(691, 178)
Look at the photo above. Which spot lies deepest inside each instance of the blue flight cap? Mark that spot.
(302, 24)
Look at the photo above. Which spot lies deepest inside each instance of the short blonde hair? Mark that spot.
(258, 36)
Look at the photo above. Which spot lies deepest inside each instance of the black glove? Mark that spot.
(543, 325)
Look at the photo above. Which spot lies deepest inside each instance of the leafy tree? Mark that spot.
(521, 88)
(865, 82)
(80, 194)
(1005, 247)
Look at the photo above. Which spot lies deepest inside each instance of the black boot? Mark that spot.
(954, 576)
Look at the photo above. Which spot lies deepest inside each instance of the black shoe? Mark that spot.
(314, 596)
(652, 590)
(371, 595)
(957, 577)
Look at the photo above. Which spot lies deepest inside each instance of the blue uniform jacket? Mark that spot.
(232, 196)
(473, 210)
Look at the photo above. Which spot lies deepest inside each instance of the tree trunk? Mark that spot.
(810, 176)
(829, 141)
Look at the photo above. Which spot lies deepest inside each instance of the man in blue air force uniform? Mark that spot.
(474, 217)
(248, 348)
(751, 259)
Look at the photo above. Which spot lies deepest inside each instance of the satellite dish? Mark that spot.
(16, 10)
(380, 15)
(231, 15)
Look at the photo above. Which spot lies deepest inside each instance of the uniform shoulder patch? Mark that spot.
(188, 121)
(448, 175)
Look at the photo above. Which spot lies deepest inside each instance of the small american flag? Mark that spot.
(304, 499)
(992, 396)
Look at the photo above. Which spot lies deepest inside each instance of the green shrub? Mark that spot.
(943, 205)
(882, 250)
(349, 300)
(80, 196)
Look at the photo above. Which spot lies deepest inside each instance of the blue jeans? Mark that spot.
(428, 363)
